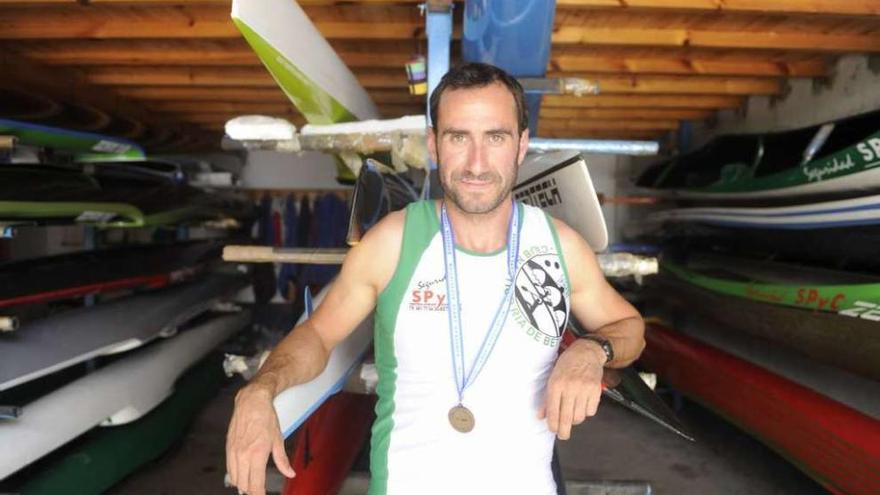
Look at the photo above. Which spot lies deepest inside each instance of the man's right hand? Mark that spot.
(253, 435)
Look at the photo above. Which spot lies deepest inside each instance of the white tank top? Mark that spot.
(414, 448)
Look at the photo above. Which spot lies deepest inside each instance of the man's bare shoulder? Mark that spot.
(375, 257)
(573, 244)
(386, 233)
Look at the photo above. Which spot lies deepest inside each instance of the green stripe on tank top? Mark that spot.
(559, 251)
(420, 227)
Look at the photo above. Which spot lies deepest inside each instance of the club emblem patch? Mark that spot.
(540, 294)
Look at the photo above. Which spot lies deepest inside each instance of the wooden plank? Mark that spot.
(685, 64)
(644, 101)
(236, 52)
(832, 7)
(549, 112)
(256, 77)
(686, 37)
(235, 76)
(261, 108)
(242, 95)
(204, 93)
(587, 125)
(343, 23)
(129, 21)
(396, 96)
(710, 85)
(393, 111)
(190, 107)
(178, 52)
(105, 22)
(179, 76)
(137, 52)
(261, 254)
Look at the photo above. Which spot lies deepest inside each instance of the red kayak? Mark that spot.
(833, 443)
(328, 443)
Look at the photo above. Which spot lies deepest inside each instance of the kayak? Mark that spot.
(836, 445)
(837, 159)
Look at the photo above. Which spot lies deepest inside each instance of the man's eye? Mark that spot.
(456, 138)
(496, 138)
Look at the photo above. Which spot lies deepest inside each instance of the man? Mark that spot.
(471, 295)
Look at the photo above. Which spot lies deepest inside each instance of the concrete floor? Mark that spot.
(615, 445)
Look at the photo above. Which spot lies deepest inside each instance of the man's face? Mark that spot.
(477, 146)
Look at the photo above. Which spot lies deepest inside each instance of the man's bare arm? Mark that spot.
(254, 432)
(303, 353)
(597, 306)
(574, 388)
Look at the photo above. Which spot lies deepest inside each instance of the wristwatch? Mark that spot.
(603, 343)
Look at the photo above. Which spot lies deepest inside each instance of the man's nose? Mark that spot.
(478, 162)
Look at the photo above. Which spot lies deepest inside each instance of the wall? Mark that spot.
(273, 170)
(853, 88)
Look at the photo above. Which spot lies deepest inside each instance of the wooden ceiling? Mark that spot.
(169, 74)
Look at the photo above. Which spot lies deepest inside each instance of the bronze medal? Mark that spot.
(462, 419)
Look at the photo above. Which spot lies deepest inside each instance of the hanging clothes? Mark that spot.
(265, 234)
(277, 225)
(263, 274)
(329, 230)
(287, 284)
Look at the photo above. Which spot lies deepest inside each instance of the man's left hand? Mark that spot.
(574, 388)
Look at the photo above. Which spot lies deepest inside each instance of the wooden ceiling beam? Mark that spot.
(211, 21)
(128, 21)
(808, 40)
(644, 101)
(137, 52)
(826, 7)
(710, 85)
(205, 93)
(191, 107)
(387, 79)
(237, 53)
(116, 21)
(180, 52)
(688, 65)
(179, 76)
(234, 76)
(548, 112)
(396, 96)
(620, 125)
(394, 111)
(244, 95)
(260, 108)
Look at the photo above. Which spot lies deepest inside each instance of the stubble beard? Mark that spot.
(474, 205)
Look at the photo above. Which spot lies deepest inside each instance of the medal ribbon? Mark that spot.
(463, 380)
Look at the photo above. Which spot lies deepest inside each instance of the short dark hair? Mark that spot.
(479, 75)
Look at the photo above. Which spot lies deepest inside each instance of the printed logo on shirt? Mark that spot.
(541, 306)
(428, 295)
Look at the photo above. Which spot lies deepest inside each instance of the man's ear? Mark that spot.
(523, 145)
(432, 145)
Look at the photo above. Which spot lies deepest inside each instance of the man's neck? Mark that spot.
(483, 232)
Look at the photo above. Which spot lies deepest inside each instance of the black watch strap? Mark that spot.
(603, 343)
